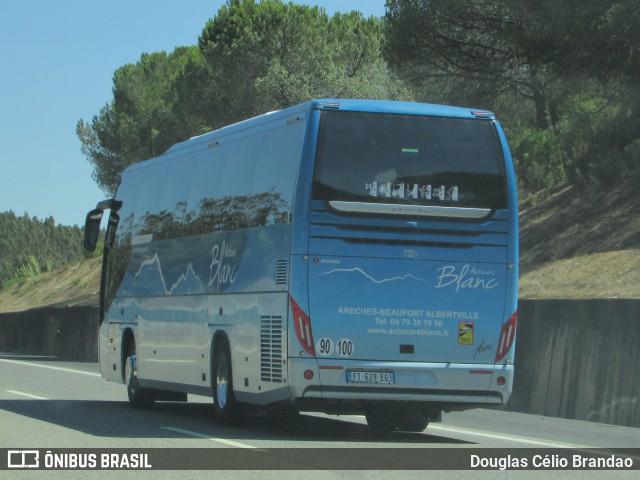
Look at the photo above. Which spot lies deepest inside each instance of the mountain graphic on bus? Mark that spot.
(381, 281)
(150, 278)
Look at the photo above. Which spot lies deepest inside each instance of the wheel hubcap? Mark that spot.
(130, 369)
(222, 383)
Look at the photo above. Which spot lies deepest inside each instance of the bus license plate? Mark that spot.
(364, 376)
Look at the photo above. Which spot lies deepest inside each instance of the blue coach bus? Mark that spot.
(340, 256)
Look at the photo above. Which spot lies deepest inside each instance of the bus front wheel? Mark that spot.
(224, 401)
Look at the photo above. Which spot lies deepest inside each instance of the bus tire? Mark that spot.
(138, 397)
(225, 406)
(416, 423)
(382, 419)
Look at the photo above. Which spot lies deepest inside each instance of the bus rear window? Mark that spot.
(409, 159)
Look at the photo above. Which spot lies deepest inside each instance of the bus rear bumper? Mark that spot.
(445, 383)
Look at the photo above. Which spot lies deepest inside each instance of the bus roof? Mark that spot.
(392, 106)
(353, 105)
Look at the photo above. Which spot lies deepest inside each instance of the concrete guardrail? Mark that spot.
(575, 359)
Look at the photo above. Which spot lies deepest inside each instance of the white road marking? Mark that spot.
(28, 395)
(224, 441)
(482, 433)
(51, 367)
(464, 431)
(511, 438)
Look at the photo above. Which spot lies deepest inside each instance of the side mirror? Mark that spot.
(92, 229)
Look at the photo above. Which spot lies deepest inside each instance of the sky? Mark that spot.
(57, 59)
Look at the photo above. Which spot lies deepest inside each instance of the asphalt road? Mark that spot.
(46, 403)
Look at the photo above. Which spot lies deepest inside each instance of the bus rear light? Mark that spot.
(329, 106)
(507, 336)
(302, 324)
(308, 374)
(501, 381)
(482, 114)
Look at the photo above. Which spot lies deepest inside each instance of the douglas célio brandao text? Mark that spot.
(551, 461)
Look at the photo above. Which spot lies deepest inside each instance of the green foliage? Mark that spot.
(29, 246)
(601, 128)
(251, 58)
(539, 158)
(466, 52)
(272, 55)
(146, 116)
(29, 269)
(267, 55)
(563, 77)
(597, 38)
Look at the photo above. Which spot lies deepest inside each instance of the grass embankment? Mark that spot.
(600, 275)
(76, 284)
(581, 243)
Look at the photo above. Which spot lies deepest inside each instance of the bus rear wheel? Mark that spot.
(384, 418)
(138, 397)
(225, 405)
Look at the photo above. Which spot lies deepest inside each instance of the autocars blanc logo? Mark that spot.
(467, 277)
(223, 269)
(410, 253)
